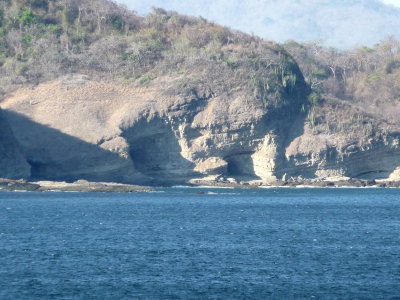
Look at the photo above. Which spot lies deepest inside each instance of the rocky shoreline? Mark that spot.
(112, 187)
(77, 186)
(315, 183)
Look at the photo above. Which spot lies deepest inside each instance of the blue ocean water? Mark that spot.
(180, 244)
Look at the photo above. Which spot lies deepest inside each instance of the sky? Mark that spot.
(393, 2)
(338, 23)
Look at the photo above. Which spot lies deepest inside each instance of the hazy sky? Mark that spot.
(393, 2)
(339, 23)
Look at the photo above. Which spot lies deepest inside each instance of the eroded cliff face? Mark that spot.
(75, 128)
(80, 128)
(323, 156)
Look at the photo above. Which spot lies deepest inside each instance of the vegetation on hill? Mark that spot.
(42, 39)
(355, 93)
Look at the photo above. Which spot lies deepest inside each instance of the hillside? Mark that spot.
(93, 91)
(338, 23)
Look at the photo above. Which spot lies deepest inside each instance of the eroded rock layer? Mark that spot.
(80, 128)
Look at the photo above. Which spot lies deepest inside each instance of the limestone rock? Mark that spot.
(395, 175)
(80, 128)
(212, 166)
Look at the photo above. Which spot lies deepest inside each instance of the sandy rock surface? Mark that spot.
(77, 127)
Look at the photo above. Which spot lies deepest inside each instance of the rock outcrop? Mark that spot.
(322, 156)
(75, 127)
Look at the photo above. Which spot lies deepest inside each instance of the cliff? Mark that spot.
(170, 99)
(76, 127)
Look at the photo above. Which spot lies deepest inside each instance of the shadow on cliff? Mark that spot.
(286, 125)
(155, 151)
(54, 155)
(289, 133)
(241, 166)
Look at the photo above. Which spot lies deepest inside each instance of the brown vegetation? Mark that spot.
(355, 92)
(42, 39)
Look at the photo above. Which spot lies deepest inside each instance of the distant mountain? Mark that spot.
(340, 23)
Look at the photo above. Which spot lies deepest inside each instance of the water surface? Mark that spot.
(224, 244)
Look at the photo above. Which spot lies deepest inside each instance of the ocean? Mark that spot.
(201, 243)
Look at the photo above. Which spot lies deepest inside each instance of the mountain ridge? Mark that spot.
(342, 24)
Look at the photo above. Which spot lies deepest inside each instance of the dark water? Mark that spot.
(176, 244)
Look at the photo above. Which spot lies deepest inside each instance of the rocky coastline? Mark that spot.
(111, 187)
(296, 182)
(77, 186)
